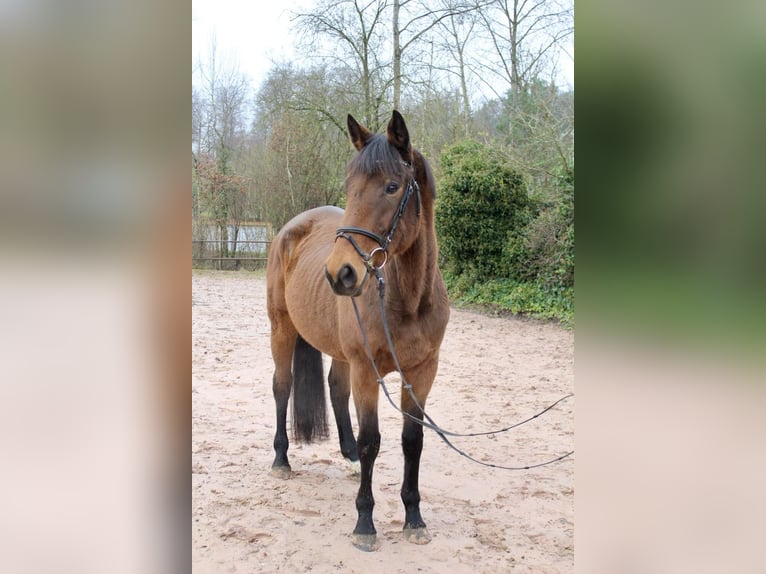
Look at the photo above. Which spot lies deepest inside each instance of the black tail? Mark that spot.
(309, 404)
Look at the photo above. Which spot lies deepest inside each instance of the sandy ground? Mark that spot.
(493, 372)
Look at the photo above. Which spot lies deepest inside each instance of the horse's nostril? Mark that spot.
(347, 276)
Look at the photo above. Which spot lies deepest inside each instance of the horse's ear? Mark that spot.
(359, 134)
(399, 136)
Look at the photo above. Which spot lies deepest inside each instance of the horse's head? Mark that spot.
(382, 216)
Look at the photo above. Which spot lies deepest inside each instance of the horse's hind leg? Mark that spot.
(421, 380)
(283, 338)
(340, 390)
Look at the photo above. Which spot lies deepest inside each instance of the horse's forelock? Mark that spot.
(379, 156)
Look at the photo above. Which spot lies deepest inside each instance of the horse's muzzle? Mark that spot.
(345, 284)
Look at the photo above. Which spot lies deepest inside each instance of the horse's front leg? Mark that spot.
(420, 379)
(365, 392)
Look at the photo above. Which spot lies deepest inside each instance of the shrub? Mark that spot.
(544, 250)
(482, 202)
(500, 248)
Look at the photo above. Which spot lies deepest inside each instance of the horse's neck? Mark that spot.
(414, 273)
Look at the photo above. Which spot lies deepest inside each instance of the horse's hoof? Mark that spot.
(365, 542)
(355, 467)
(283, 472)
(417, 535)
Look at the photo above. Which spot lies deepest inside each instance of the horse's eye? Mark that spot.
(392, 188)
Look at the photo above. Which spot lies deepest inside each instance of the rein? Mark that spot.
(429, 423)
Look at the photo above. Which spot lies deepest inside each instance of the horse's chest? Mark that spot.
(417, 340)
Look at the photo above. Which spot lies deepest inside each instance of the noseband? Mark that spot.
(382, 240)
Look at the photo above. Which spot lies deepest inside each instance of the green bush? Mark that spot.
(482, 202)
(500, 248)
(544, 250)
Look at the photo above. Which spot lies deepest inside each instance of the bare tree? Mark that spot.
(301, 141)
(223, 96)
(412, 22)
(454, 38)
(356, 30)
(219, 108)
(526, 37)
(361, 35)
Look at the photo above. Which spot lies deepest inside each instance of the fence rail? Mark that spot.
(236, 255)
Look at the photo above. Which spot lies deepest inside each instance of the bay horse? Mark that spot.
(318, 263)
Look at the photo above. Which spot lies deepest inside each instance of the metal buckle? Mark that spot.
(371, 263)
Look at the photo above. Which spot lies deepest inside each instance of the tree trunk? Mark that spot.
(397, 57)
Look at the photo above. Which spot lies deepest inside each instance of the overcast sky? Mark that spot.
(252, 34)
(249, 33)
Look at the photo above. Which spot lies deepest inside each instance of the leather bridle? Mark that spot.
(383, 241)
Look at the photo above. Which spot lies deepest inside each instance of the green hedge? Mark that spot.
(482, 201)
(499, 247)
(546, 254)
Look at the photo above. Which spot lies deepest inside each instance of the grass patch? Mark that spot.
(509, 296)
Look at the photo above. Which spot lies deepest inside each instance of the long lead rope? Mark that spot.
(429, 422)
